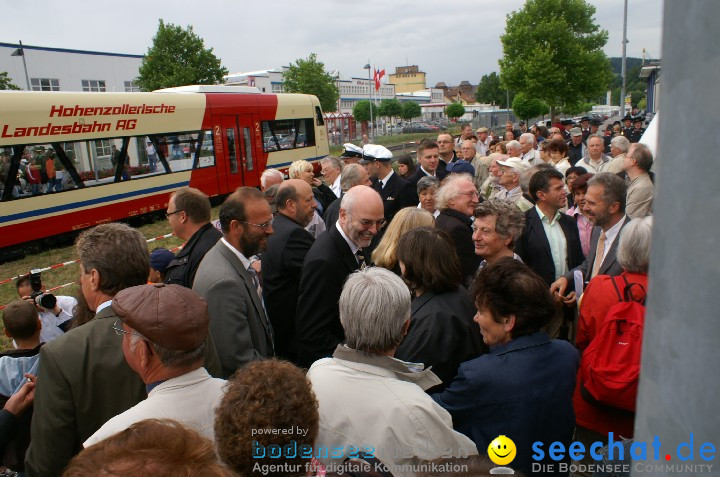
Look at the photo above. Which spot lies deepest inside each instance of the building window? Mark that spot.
(102, 148)
(93, 85)
(45, 84)
(130, 87)
(277, 88)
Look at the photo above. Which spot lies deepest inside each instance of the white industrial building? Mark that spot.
(60, 69)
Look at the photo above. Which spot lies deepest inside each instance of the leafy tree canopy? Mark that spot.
(552, 51)
(308, 76)
(410, 109)
(361, 110)
(491, 91)
(390, 108)
(528, 108)
(178, 57)
(6, 83)
(455, 110)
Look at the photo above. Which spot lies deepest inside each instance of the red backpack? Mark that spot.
(610, 365)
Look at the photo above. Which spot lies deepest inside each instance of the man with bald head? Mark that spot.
(282, 261)
(336, 253)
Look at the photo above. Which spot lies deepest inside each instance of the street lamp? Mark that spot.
(21, 52)
(372, 122)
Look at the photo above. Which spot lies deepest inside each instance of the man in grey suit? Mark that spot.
(231, 286)
(605, 206)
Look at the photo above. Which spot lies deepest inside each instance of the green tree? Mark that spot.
(491, 91)
(361, 110)
(6, 83)
(455, 110)
(390, 108)
(528, 108)
(576, 108)
(642, 104)
(308, 76)
(410, 109)
(178, 57)
(552, 51)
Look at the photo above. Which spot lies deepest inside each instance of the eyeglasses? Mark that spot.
(117, 326)
(261, 226)
(168, 214)
(369, 223)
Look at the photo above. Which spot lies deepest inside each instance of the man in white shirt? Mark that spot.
(511, 172)
(331, 171)
(527, 147)
(595, 161)
(164, 332)
(483, 141)
(56, 319)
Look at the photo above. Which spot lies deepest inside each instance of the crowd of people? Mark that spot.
(395, 316)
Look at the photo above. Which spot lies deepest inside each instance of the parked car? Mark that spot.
(440, 126)
(418, 127)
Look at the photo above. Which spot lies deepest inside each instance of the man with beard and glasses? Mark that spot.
(336, 253)
(231, 286)
(282, 262)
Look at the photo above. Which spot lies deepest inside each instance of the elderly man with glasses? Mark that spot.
(227, 280)
(337, 253)
(164, 331)
(457, 199)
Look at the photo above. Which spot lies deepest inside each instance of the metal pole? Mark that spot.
(678, 378)
(624, 62)
(372, 123)
(27, 78)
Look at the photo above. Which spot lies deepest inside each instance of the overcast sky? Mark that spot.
(451, 41)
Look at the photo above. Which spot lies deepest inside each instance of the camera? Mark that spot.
(45, 300)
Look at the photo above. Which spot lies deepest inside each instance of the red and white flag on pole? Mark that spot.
(378, 76)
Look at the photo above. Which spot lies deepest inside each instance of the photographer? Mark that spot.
(55, 311)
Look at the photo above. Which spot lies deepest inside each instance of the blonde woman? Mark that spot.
(303, 170)
(405, 220)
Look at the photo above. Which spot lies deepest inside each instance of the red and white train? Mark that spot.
(119, 155)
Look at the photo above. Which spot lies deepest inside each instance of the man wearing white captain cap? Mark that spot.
(396, 192)
(351, 153)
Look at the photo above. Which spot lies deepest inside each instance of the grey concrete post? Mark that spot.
(680, 383)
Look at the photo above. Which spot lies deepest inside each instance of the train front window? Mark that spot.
(288, 134)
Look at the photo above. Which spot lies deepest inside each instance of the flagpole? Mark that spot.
(372, 122)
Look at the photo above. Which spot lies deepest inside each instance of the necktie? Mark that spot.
(599, 251)
(360, 256)
(256, 280)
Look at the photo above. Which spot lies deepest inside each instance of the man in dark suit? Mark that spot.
(231, 286)
(550, 243)
(605, 206)
(456, 200)
(188, 213)
(395, 191)
(428, 155)
(336, 253)
(83, 378)
(282, 261)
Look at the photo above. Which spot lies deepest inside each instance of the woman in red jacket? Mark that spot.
(593, 422)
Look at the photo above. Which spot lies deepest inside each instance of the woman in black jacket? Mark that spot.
(442, 333)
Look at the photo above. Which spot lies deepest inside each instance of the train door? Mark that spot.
(240, 164)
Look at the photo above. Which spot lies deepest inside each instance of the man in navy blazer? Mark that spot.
(550, 243)
(428, 158)
(336, 253)
(605, 206)
(395, 191)
(282, 261)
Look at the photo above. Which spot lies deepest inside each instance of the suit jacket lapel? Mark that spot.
(537, 228)
(249, 285)
(421, 301)
(343, 249)
(611, 256)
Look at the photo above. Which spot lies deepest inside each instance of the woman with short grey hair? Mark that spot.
(426, 189)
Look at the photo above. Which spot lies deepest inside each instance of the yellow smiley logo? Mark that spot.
(502, 450)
